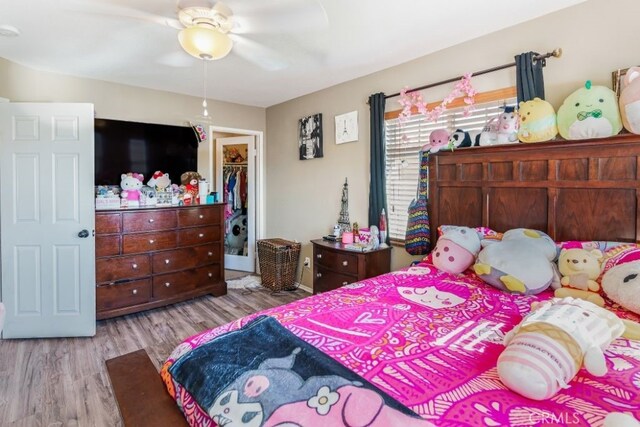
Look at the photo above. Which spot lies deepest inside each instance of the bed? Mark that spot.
(428, 341)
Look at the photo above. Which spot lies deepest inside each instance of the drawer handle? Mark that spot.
(210, 274)
(134, 266)
(151, 241)
(319, 256)
(200, 216)
(319, 275)
(166, 261)
(135, 291)
(151, 220)
(345, 263)
(345, 283)
(167, 284)
(201, 235)
(210, 253)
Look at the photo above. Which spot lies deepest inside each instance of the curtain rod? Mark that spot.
(557, 53)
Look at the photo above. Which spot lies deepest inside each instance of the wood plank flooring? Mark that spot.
(64, 382)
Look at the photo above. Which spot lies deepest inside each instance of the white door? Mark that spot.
(235, 183)
(47, 219)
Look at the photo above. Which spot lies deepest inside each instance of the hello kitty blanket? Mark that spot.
(430, 340)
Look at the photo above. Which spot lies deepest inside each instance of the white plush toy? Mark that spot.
(546, 350)
(1, 316)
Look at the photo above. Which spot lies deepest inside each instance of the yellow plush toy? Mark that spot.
(580, 268)
(537, 121)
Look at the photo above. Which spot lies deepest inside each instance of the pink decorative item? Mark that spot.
(456, 250)
(347, 237)
(438, 140)
(630, 100)
(131, 183)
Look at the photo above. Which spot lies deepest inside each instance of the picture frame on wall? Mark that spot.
(310, 137)
(347, 127)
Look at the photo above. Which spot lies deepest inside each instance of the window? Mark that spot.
(402, 156)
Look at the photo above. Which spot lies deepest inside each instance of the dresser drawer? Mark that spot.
(108, 223)
(145, 242)
(123, 294)
(199, 235)
(107, 245)
(327, 280)
(148, 220)
(119, 268)
(340, 262)
(167, 285)
(190, 217)
(182, 259)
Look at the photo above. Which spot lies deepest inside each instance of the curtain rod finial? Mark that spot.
(557, 53)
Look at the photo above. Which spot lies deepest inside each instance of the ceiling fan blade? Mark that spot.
(120, 11)
(279, 17)
(256, 53)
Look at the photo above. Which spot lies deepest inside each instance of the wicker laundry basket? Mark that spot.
(278, 263)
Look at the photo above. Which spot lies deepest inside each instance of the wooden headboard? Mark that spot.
(573, 190)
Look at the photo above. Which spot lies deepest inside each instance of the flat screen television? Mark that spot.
(122, 147)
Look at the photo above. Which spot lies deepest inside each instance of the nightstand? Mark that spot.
(334, 266)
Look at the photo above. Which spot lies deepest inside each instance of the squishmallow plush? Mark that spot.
(456, 249)
(546, 350)
(630, 100)
(460, 139)
(579, 269)
(521, 263)
(621, 284)
(438, 140)
(537, 121)
(501, 130)
(589, 112)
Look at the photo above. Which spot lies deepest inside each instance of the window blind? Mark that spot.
(402, 155)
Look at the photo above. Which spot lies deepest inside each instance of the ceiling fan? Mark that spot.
(210, 30)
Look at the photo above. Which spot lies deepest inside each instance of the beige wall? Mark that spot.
(121, 102)
(303, 197)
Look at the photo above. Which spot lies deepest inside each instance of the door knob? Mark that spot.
(83, 234)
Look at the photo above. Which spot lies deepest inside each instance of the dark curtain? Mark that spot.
(377, 184)
(529, 77)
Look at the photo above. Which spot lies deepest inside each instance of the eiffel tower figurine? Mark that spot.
(343, 221)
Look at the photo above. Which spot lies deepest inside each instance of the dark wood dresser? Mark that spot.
(147, 258)
(335, 266)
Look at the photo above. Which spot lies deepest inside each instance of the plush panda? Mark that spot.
(237, 235)
(460, 139)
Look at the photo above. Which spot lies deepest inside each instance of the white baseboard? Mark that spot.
(304, 288)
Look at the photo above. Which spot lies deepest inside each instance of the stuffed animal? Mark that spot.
(131, 183)
(237, 235)
(500, 130)
(589, 112)
(438, 140)
(621, 284)
(537, 121)
(620, 419)
(460, 139)
(579, 269)
(546, 350)
(190, 181)
(630, 100)
(456, 249)
(160, 181)
(522, 262)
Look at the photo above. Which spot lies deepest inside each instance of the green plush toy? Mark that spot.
(589, 112)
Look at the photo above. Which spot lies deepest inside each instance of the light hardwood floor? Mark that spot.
(64, 382)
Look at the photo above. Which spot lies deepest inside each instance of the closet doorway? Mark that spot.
(238, 186)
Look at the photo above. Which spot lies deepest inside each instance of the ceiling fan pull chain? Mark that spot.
(204, 84)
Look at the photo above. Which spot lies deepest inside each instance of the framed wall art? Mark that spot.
(310, 137)
(347, 127)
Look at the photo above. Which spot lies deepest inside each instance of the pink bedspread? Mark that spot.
(431, 340)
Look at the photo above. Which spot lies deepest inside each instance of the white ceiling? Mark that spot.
(301, 45)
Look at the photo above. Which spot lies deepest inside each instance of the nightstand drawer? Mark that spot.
(340, 262)
(327, 280)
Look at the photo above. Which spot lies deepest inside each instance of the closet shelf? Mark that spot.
(235, 164)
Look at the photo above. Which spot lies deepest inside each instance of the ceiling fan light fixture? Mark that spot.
(204, 42)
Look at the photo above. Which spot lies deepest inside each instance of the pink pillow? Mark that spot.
(619, 255)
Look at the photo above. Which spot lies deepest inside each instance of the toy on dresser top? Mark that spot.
(190, 182)
(161, 183)
(131, 184)
(630, 100)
